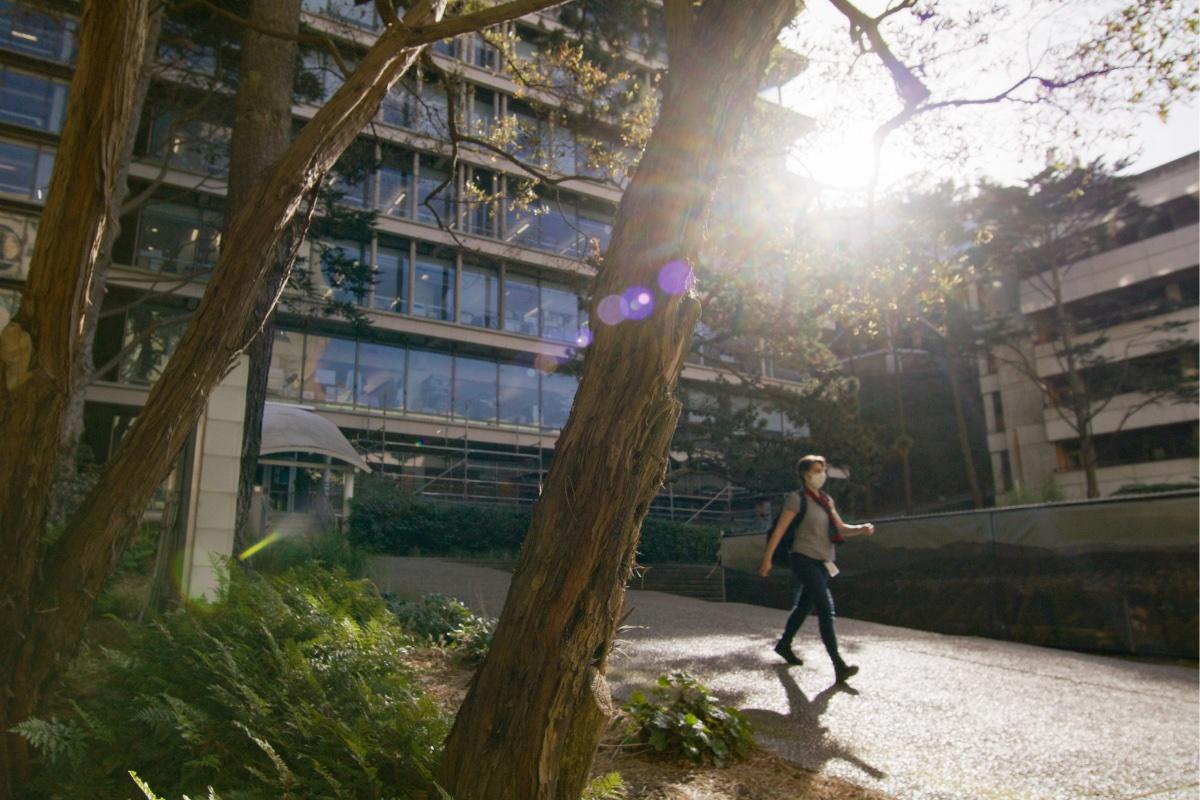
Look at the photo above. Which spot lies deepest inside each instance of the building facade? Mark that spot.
(1139, 296)
(459, 364)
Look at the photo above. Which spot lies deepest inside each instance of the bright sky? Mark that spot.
(849, 111)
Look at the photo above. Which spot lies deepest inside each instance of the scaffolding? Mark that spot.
(457, 467)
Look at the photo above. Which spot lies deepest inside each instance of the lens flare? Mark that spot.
(639, 301)
(259, 545)
(545, 363)
(675, 277)
(613, 309)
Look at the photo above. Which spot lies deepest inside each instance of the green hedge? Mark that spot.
(385, 520)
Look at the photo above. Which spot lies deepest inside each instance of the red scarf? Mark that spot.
(822, 499)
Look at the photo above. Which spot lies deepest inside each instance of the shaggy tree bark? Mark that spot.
(47, 600)
(262, 128)
(84, 368)
(531, 722)
(39, 345)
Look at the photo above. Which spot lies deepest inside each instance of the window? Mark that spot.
(558, 393)
(998, 412)
(595, 230)
(177, 239)
(520, 223)
(189, 143)
(150, 338)
(328, 371)
(25, 169)
(483, 112)
(480, 299)
(35, 33)
(32, 101)
(521, 304)
(399, 105)
(518, 394)
(562, 150)
(480, 53)
(435, 193)
(433, 289)
(17, 234)
(429, 382)
(558, 232)
(527, 139)
(344, 267)
(287, 361)
(475, 389)
(360, 15)
(391, 278)
(8, 306)
(560, 313)
(380, 376)
(395, 183)
(445, 47)
(481, 203)
(432, 108)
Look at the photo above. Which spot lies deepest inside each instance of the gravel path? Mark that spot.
(930, 717)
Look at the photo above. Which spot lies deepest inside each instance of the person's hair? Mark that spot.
(806, 463)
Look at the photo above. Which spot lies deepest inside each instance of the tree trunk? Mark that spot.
(262, 128)
(46, 604)
(960, 422)
(901, 420)
(39, 346)
(1087, 451)
(536, 710)
(84, 367)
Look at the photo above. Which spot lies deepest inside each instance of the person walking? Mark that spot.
(812, 556)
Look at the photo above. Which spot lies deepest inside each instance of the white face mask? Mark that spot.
(815, 480)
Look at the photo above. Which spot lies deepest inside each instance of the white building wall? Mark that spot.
(213, 493)
(1030, 429)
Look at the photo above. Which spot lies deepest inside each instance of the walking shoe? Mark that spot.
(785, 652)
(845, 672)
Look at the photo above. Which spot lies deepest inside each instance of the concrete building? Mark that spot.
(476, 311)
(1125, 293)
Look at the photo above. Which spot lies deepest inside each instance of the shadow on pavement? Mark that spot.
(808, 742)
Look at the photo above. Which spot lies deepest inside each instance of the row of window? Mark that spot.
(25, 169)
(35, 32)
(452, 288)
(32, 101)
(332, 372)
(403, 184)
(1161, 443)
(406, 277)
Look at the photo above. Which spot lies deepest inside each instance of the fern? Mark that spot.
(59, 741)
(605, 787)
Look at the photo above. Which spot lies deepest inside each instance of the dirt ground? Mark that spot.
(760, 777)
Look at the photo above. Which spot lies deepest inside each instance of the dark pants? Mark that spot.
(812, 574)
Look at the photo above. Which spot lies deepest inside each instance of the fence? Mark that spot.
(1115, 575)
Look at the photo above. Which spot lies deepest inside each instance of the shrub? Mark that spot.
(688, 723)
(433, 616)
(293, 685)
(473, 638)
(331, 551)
(445, 621)
(385, 520)
(667, 542)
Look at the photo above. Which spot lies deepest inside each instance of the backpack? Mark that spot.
(780, 556)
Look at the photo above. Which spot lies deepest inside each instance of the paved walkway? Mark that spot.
(929, 717)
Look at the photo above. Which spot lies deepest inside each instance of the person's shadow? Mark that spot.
(805, 739)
